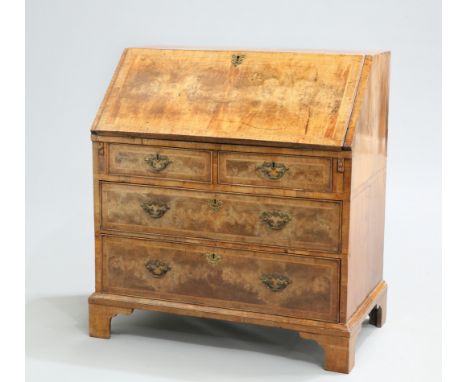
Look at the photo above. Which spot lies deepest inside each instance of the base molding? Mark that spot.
(337, 339)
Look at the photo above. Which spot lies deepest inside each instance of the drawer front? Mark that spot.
(267, 283)
(301, 223)
(276, 171)
(160, 162)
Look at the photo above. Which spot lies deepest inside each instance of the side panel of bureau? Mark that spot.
(367, 212)
(259, 282)
(300, 223)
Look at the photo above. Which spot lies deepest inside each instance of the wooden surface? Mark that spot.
(217, 125)
(270, 97)
(313, 224)
(313, 174)
(300, 162)
(338, 351)
(375, 298)
(100, 317)
(232, 280)
(183, 164)
(367, 198)
(337, 339)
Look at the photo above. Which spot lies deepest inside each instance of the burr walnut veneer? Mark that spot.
(244, 186)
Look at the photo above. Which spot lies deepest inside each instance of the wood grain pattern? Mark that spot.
(269, 97)
(232, 280)
(339, 351)
(301, 251)
(313, 224)
(135, 139)
(183, 164)
(292, 323)
(337, 333)
(367, 207)
(324, 174)
(100, 317)
(313, 174)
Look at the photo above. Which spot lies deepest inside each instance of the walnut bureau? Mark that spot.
(244, 186)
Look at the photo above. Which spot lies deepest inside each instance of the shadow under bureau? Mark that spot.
(244, 186)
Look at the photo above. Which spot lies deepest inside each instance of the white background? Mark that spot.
(72, 49)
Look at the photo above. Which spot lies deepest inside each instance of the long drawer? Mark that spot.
(300, 223)
(260, 282)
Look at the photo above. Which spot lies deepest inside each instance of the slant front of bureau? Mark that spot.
(244, 186)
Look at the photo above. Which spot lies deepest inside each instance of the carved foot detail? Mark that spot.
(378, 314)
(100, 317)
(339, 351)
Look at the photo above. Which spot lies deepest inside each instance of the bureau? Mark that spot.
(244, 186)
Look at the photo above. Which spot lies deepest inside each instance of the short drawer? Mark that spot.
(275, 171)
(160, 162)
(288, 222)
(260, 282)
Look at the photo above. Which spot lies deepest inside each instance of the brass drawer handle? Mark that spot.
(275, 219)
(158, 162)
(213, 258)
(157, 268)
(215, 204)
(272, 170)
(275, 282)
(155, 208)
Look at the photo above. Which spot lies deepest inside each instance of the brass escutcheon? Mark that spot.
(213, 258)
(155, 208)
(237, 59)
(275, 219)
(157, 268)
(272, 170)
(275, 282)
(215, 204)
(158, 162)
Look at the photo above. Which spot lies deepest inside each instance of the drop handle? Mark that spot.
(272, 170)
(155, 208)
(158, 162)
(157, 268)
(275, 281)
(275, 220)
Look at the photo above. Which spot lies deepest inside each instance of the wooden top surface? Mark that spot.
(273, 98)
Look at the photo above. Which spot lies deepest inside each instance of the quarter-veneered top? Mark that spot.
(225, 96)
